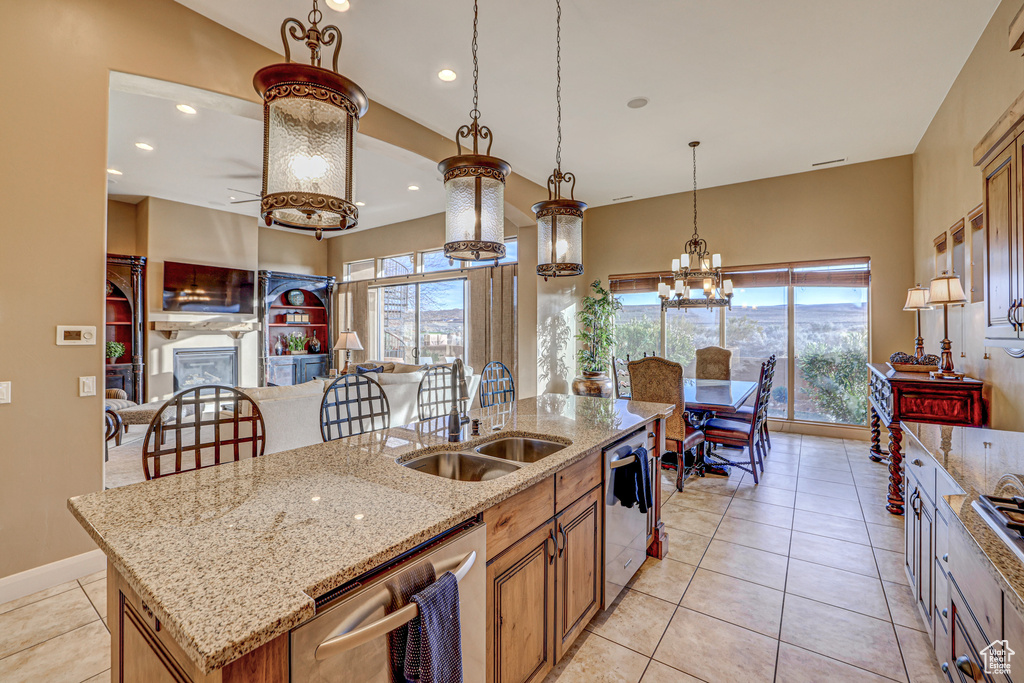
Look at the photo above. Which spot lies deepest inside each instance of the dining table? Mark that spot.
(703, 399)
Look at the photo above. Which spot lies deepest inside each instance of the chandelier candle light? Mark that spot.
(310, 117)
(474, 186)
(947, 291)
(559, 219)
(917, 300)
(696, 265)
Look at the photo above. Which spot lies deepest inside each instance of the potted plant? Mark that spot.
(597, 332)
(114, 351)
(296, 343)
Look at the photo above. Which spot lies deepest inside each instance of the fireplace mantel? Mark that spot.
(170, 329)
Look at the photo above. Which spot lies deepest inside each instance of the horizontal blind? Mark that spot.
(940, 243)
(845, 272)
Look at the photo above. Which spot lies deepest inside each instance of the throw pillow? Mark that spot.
(360, 370)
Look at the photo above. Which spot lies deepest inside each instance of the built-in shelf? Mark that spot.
(297, 324)
(120, 322)
(170, 329)
(300, 308)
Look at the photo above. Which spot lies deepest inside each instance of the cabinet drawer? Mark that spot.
(981, 594)
(575, 480)
(940, 608)
(515, 517)
(942, 537)
(1013, 630)
(922, 467)
(966, 640)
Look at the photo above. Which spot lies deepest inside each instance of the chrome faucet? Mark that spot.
(460, 392)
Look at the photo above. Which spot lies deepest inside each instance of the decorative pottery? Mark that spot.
(296, 297)
(596, 384)
(110, 288)
(279, 347)
(293, 352)
(314, 344)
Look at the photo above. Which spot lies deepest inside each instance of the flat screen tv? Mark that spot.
(193, 288)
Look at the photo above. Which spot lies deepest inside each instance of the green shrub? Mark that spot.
(836, 377)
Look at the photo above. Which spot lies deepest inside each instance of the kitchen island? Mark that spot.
(227, 560)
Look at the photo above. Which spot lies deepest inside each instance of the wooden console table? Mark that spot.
(916, 397)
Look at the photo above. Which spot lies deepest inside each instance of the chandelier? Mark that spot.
(310, 117)
(474, 186)
(559, 219)
(697, 272)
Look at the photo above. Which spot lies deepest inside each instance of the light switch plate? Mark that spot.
(76, 335)
(86, 386)
(5, 392)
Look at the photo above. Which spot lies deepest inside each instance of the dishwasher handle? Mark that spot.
(622, 462)
(346, 641)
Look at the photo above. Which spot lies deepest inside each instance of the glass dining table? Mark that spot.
(706, 397)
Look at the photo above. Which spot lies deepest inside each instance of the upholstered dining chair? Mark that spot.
(201, 427)
(714, 362)
(658, 380)
(720, 431)
(353, 404)
(496, 385)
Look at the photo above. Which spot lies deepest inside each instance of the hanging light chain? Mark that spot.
(475, 113)
(558, 81)
(693, 146)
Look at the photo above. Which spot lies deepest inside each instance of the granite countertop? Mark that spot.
(230, 557)
(981, 461)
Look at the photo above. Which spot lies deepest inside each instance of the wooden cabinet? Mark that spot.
(312, 316)
(521, 608)
(919, 549)
(1003, 235)
(578, 577)
(124, 322)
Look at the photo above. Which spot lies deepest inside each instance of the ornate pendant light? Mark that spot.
(696, 268)
(474, 186)
(310, 117)
(559, 219)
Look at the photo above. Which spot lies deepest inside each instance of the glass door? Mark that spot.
(397, 320)
(422, 323)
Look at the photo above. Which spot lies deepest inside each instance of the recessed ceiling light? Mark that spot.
(338, 5)
(231, 198)
(360, 203)
(114, 171)
(413, 188)
(186, 109)
(638, 103)
(144, 145)
(447, 75)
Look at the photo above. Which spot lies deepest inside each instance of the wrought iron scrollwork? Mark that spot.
(314, 37)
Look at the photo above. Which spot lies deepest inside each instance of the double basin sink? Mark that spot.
(485, 462)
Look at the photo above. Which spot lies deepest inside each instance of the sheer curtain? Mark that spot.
(493, 332)
(353, 314)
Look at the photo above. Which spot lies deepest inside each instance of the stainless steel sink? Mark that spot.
(520, 449)
(461, 466)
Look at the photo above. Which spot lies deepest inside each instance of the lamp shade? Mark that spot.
(917, 299)
(560, 237)
(946, 289)
(348, 341)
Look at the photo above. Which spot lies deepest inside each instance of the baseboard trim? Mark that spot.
(49, 575)
(834, 431)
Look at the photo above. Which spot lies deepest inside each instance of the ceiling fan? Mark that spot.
(245, 201)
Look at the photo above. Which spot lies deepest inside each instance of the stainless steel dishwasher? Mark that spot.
(625, 529)
(347, 639)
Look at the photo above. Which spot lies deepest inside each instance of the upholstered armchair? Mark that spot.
(714, 362)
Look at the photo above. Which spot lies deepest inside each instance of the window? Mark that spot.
(435, 260)
(396, 266)
(976, 219)
(812, 316)
(358, 270)
(941, 260)
(959, 255)
(420, 323)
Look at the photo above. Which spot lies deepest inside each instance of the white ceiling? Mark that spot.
(768, 87)
(207, 158)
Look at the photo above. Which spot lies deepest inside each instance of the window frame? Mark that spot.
(417, 263)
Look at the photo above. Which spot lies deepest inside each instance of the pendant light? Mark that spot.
(696, 270)
(310, 117)
(474, 187)
(559, 219)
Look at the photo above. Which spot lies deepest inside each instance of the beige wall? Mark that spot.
(947, 185)
(121, 228)
(856, 210)
(291, 252)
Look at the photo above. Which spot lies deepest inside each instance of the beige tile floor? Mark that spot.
(797, 580)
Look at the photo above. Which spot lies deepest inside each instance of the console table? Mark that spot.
(916, 397)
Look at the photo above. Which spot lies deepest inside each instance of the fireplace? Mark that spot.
(195, 367)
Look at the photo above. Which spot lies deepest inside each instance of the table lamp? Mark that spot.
(946, 290)
(917, 300)
(348, 341)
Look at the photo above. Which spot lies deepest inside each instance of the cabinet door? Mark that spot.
(282, 372)
(579, 576)
(520, 609)
(1002, 239)
(912, 533)
(925, 579)
(312, 367)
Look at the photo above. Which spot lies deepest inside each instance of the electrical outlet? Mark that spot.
(5, 392)
(86, 386)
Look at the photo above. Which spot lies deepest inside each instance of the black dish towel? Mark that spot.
(405, 586)
(632, 483)
(643, 486)
(433, 653)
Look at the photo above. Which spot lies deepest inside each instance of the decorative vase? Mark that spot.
(314, 344)
(295, 297)
(278, 347)
(595, 384)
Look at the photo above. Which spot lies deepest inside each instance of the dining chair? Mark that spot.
(721, 431)
(620, 373)
(353, 404)
(496, 385)
(202, 426)
(658, 380)
(714, 362)
(434, 396)
(746, 412)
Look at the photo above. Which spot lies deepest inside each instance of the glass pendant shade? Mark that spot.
(559, 237)
(474, 187)
(310, 117)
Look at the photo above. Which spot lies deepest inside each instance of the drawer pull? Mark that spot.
(945, 558)
(945, 613)
(917, 462)
(966, 665)
(945, 667)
